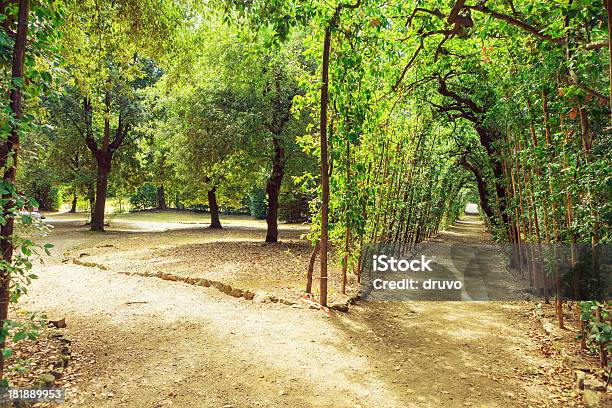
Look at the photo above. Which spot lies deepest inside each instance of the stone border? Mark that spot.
(48, 379)
(258, 297)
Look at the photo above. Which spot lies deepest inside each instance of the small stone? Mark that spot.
(47, 379)
(248, 295)
(548, 327)
(580, 377)
(590, 398)
(282, 393)
(60, 324)
(593, 384)
(262, 297)
(340, 307)
(235, 292)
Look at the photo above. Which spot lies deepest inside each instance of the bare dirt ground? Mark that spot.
(146, 342)
(181, 244)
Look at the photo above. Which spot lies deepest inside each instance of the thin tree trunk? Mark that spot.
(324, 166)
(91, 196)
(347, 234)
(10, 152)
(313, 258)
(324, 157)
(273, 189)
(609, 7)
(97, 218)
(73, 206)
(215, 222)
(161, 198)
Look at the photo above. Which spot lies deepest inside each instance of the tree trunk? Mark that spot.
(488, 137)
(97, 217)
(609, 7)
(10, 151)
(324, 156)
(91, 196)
(73, 206)
(324, 166)
(161, 198)
(311, 262)
(273, 189)
(347, 232)
(215, 222)
(482, 191)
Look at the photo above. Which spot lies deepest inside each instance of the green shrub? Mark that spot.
(145, 197)
(258, 206)
(293, 206)
(38, 184)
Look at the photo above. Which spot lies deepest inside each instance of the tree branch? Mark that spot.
(515, 22)
(444, 90)
(596, 45)
(89, 139)
(401, 78)
(436, 13)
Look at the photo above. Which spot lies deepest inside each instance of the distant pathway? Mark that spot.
(449, 354)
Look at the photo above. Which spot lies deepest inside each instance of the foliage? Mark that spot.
(293, 206)
(25, 77)
(145, 197)
(597, 316)
(18, 269)
(257, 203)
(425, 98)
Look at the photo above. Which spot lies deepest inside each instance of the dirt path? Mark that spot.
(153, 343)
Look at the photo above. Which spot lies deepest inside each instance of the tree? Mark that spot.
(9, 151)
(282, 87)
(250, 84)
(103, 44)
(209, 146)
(26, 58)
